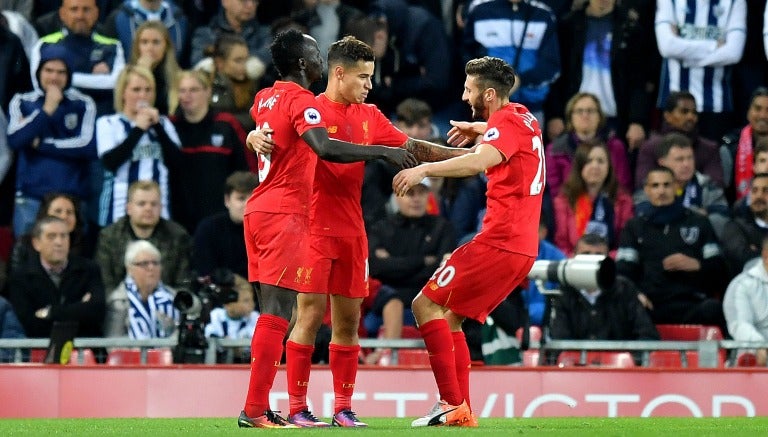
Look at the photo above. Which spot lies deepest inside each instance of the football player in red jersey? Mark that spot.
(338, 252)
(277, 213)
(480, 274)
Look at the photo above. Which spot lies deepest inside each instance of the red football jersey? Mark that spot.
(336, 195)
(286, 174)
(515, 185)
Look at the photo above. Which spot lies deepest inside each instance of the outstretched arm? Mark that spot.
(484, 157)
(426, 151)
(332, 150)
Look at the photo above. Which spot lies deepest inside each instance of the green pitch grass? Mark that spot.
(591, 427)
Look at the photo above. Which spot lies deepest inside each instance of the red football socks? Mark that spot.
(343, 362)
(437, 336)
(298, 362)
(266, 351)
(463, 363)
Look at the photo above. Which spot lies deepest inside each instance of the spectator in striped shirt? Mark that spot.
(141, 307)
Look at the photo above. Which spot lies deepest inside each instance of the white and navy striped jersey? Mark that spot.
(146, 163)
(698, 41)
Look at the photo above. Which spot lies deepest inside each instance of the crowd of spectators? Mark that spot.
(125, 121)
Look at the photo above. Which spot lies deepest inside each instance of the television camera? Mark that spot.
(195, 300)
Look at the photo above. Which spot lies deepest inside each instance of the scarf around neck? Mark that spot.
(664, 215)
(595, 217)
(153, 318)
(743, 166)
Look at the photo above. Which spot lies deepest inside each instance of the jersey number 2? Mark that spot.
(537, 186)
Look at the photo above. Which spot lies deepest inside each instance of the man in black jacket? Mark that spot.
(57, 286)
(743, 235)
(672, 254)
(404, 250)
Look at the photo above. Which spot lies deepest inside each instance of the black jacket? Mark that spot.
(408, 241)
(219, 244)
(212, 149)
(616, 315)
(30, 288)
(742, 240)
(13, 64)
(643, 245)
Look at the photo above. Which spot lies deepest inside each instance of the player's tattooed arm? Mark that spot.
(426, 151)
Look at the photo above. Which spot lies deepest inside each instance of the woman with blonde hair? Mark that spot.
(153, 49)
(135, 143)
(591, 201)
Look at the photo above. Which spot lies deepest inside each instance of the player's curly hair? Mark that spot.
(493, 73)
(349, 50)
(287, 49)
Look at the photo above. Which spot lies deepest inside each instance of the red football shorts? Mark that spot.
(476, 278)
(276, 245)
(339, 265)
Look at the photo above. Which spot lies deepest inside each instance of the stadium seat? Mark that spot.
(530, 358)
(119, 357)
(37, 355)
(595, 358)
(673, 359)
(534, 333)
(689, 332)
(746, 359)
(410, 332)
(88, 357)
(413, 357)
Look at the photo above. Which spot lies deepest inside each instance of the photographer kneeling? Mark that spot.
(141, 307)
(236, 319)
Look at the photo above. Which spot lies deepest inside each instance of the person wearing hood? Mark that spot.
(746, 305)
(673, 255)
(52, 131)
(615, 313)
(95, 60)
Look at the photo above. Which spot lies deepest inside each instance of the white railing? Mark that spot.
(708, 350)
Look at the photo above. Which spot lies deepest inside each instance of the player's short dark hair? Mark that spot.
(287, 48)
(348, 51)
(658, 169)
(670, 140)
(240, 181)
(670, 103)
(493, 73)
